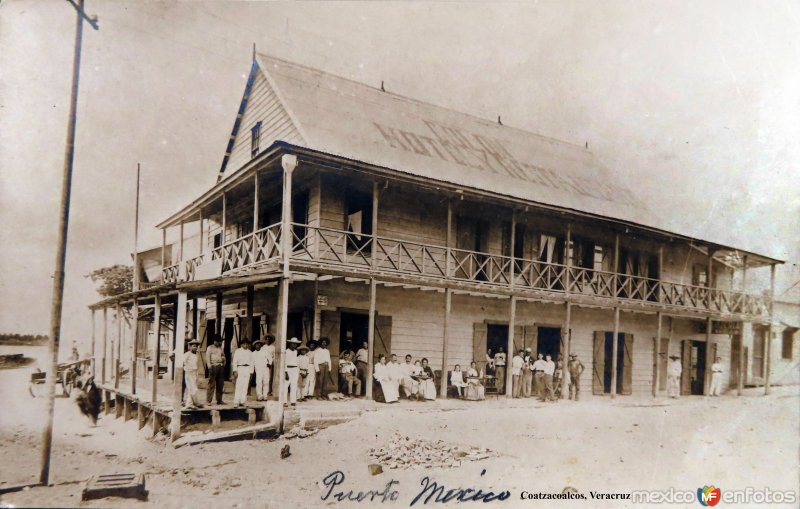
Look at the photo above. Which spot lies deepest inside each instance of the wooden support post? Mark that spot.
(218, 306)
(163, 251)
(742, 365)
(661, 275)
(105, 345)
(119, 405)
(512, 265)
(768, 342)
(448, 303)
(449, 243)
(107, 402)
(249, 312)
(177, 386)
(119, 346)
(156, 348)
(280, 361)
(568, 252)
(140, 415)
(202, 231)
(709, 274)
(656, 346)
(709, 358)
(224, 217)
(134, 343)
(616, 266)
(614, 353)
(512, 320)
(180, 246)
(565, 358)
(195, 318)
(373, 248)
(254, 253)
(215, 419)
(371, 336)
(289, 163)
(94, 353)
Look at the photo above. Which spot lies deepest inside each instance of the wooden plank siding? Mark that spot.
(276, 124)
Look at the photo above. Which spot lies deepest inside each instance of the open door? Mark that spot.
(686, 373)
(598, 362)
(627, 364)
(479, 345)
(736, 348)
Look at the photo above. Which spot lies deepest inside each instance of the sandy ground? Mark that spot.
(594, 445)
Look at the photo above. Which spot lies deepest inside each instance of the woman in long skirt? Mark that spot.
(389, 385)
(426, 384)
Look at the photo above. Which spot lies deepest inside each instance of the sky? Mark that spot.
(693, 104)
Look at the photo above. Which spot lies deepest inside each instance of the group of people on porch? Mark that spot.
(309, 373)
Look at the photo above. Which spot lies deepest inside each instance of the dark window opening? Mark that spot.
(788, 340)
(217, 240)
(609, 353)
(255, 139)
(300, 217)
(358, 219)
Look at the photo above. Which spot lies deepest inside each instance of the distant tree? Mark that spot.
(114, 280)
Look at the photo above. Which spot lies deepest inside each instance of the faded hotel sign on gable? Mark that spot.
(488, 154)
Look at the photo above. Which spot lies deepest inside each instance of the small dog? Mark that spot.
(88, 399)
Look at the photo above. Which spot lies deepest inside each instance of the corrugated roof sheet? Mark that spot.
(346, 118)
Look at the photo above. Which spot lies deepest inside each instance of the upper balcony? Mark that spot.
(315, 248)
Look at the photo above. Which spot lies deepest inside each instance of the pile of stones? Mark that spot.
(405, 452)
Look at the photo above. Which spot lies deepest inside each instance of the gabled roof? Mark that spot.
(346, 118)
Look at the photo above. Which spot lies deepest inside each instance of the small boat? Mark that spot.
(16, 360)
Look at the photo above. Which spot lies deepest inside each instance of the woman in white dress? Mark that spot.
(457, 379)
(390, 386)
(426, 385)
(475, 391)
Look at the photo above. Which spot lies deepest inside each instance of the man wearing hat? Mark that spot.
(292, 369)
(303, 362)
(311, 378)
(242, 369)
(322, 365)
(215, 357)
(190, 375)
(575, 368)
(674, 370)
(261, 367)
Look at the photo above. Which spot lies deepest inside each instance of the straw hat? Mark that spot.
(294, 340)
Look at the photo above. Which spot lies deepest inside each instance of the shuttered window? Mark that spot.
(255, 139)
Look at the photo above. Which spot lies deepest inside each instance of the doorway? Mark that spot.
(294, 325)
(227, 340)
(548, 341)
(694, 367)
(497, 337)
(354, 331)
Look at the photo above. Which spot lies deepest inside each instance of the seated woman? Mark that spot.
(426, 385)
(457, 379)
(389, 385)
(475, 390)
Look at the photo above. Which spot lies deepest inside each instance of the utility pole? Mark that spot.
(63, 225)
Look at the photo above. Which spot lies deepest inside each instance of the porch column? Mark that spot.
(568, 250)
(448, 303)
(565, 358)
(180, 249)
(105, 345)
(255, 218)
(512, 320)
(742, 365)
(768, 342)
(249, 313)
(201, 233)
(614, 350)
(119, 346)
(218, 325)
(177, 386)
(449, 244)
(195, 318)
(94, 354)
(616, 270)
(373, 247)
(134, 342)
(709, 357)
(163, 252)
(156, 349)
(371, 336)
(289, 164)
(656, 347)
(224, 219)
(661, 276)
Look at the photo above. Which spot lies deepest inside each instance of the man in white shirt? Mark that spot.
(716, 377)
(347, 374)
(190, 375)
(674, 370)
(322, 366)
(292, 369)
(397, 371)
(362, 363)
(516, 374)
(261, 367)
(408, 384)
(538, 375)
(242, 369)
(269, 353)
(549, 369)
(311, 378)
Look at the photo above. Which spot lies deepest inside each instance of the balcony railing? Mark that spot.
(348, 250)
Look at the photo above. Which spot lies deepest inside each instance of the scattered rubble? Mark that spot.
(405, 452)
(298, 432)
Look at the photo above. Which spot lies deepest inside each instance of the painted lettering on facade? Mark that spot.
(483, 153)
